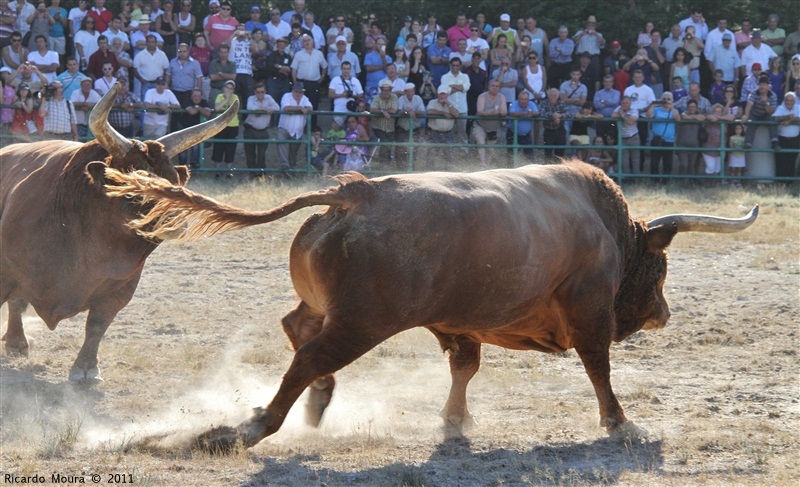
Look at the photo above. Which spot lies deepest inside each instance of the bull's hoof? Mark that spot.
(319, 396)
(454, 427)
(627, 431)
(80, 375)
(224, 440)
(16, 348)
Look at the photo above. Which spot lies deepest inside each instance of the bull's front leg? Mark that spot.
(16, 343)
(465, 360)
(85, 369)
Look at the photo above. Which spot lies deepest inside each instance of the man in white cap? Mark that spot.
(504, 30)
(385, 104)
(725, 58)
(714, 37)
(411, 108)
(440, 128)
(340, 55)
(163, 100)
(292, 124)
(84, 100)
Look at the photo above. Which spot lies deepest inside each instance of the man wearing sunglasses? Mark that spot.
(220, 27)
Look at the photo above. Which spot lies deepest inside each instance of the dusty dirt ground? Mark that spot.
(201, 343)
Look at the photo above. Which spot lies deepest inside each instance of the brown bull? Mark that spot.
(65, 245)
(541, 258)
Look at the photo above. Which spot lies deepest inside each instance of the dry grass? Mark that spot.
(200, 344)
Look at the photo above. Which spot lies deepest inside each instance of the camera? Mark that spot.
(659, 102)
(48, 91)
(352, 106)
(348, 94)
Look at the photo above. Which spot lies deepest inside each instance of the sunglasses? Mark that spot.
(474, 30)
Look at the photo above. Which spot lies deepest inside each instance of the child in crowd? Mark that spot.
(717, 90)
(678, 91)
(316, 138)
(328, 152)
(736, 160)
(427, 91)
(600, 157)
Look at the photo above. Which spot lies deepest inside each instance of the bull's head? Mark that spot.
(151, 155)
(640, 301)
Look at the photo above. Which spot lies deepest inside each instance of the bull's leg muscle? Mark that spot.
(335, 347)
(596, 363)
(85, 368)
(16, 343)
(465, 360)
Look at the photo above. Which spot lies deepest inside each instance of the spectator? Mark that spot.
(398, 85)
(162, 100)
(590, 77)
(277, 29)
(506, 31)
(716, 91)
(201, 53)
(299, 8)
(459, 84)
(417, 69)
(776, 76)
(645, 39)
(149, 65)
(793, 73)
(105, 82)
(678, 91)
(508, 79)
(309, 67)
(279, 71)
(561, 49)
(629, 134)
(553, 110)
(438, 58)
(154, 9)
(40, 23)
(459, 31)
(115, 31)
(589, 40)
(694, 45)
(703, 105)
(730, 102)
(24, 11)
(582, 125)
(316, 31)
(672, 42)
(401, 64)
(373, 36)
(225, 152)
(344, 90)
(128, 104)
(186, 23)
(642, 62)
(58, 115)
(773, 35)
(292, 122)
(484, 27)
(84, 100)
(742, 37)
(697, 21)
(713, 128)
(352, 157)
(404, 32)
(605, 102)
(101, 15)
(441, 128)
(412, 109)
(791, 47)
(7, 19)
(750, 83)
(663, 130)
(478, 83)
(126, 15)
(102, 56)
(599, 156)
(491, 104)
(725, 58)
(220, 26)
(259, 55)
(757, 52)
(24, 122)
(220, 72)
(478, 44)
(499, 52)
(375, 63)
(29, 74)
(71, 78)
(56, 34)
(256, 126)
(340, 55)
(525, 110)
(184, 75)
(45, 60)
(195, 109)
(461, 53)
(714, 38)
(761, 104)
(86, 41)
(14, 54)
(574, 94)
(76, 16)
(255, 20)
(736, 159)
(241, 47)
(167, 25)
(385, 104)
(339, 29)
(430, 31)
(788, 116)
(533, 77)
(539, 39)
(7, 95)
(688, 137)
(616, 59)
(139, 37)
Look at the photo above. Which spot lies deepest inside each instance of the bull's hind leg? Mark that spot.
(85, 368)
(337, 345)
(301, 325)
(16, 343)
(465, 360)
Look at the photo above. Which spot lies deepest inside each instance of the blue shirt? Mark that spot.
(438, 70)
(605, 101)
(561, 51)
(373, 78)
(250, 26)
(665, 130)
(727, 60)
(57, 29)
(184, 75)
(524, 125)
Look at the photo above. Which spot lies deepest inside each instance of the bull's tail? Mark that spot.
(176, 213)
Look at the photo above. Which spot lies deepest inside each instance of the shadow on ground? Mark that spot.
(454, 462)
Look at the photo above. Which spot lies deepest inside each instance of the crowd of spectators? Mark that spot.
(459, 81)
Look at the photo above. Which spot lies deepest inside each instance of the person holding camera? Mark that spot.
(29, 74)
(591, 41)
(663, 128)
(695, 46)
(40, 22)
(60, 121)
(343, 90)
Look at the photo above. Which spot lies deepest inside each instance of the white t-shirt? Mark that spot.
(295, 122)
(89, 43)
(76, 16)
(241, 56)
(338, 87)
(50, 57)
(476, 46)
(641, 97)
(165, 98)
(120, 34)
(77, 97)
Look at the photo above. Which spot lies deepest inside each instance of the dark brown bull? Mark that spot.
(541, 258)
(65, 245)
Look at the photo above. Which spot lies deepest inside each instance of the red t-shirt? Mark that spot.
(220, 30)
(102, 20)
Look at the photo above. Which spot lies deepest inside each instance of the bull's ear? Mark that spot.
(96, 171)
(183, 175)
(659, 237)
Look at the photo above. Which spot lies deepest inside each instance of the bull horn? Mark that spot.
(705, 223)
(177, 142)
(111, 140)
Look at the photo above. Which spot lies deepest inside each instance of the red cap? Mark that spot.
(756, 66)
(615, 44)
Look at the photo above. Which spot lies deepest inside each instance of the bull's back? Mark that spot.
(435, 245)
